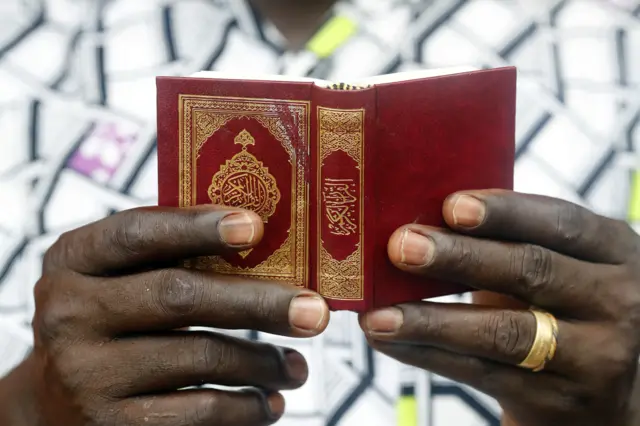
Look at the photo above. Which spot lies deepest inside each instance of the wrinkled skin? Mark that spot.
(108, 308)
(541, 252)
(111, 299)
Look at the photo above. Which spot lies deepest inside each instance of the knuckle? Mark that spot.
(129, 236)
(609, 360)
(54, 256)
(629, 312)
(273, 362)
(619, 295)
(178, 292)
(532, 268)
(259, 305)
(211, 356)
(42, 291)
(53, 323)
(55, 317)
(267, 305)
(76, 377)
(463, 255)
(430, 324)
(625, 228)
(502, 333)
(204, 356)
(628, 237)
(570, 223)
(208, 408)
(98, 412)
(207, 362)
(223, 358)
(618, 358)
(110, 417)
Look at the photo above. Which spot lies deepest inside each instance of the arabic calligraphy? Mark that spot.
(339, 200)
(244, 190)
(244, 182)
(341, 207)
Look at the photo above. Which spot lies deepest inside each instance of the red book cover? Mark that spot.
(333, 170)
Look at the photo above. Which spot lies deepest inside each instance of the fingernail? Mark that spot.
(275, 401)
(272, 401)
(237, 229)
(307, 312)
(296, 366)
(415, 249)
(468, 211)
(385, 320)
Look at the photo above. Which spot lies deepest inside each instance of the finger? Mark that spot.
(175, 298)
(504, 336)
(202, 408)
(144, 236)
(555, 224)
(531, 273)
(497, 380)
(172, 361)
(487, 298)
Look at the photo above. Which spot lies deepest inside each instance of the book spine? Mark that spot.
(341, 184)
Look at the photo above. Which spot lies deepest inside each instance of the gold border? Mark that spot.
(356, 259)
(266, 112)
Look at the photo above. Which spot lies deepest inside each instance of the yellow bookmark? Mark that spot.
(407, 411)
(332, 35)
(634, 199)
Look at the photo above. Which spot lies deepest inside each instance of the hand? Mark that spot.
(553, 255)
(108, 308)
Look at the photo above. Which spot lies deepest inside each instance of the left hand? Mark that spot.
(556, 256)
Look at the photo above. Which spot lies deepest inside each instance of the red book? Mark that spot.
(333, 170)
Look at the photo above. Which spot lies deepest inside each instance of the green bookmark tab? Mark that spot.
(332, 35)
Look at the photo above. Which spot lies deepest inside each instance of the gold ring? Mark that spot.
(545, 343)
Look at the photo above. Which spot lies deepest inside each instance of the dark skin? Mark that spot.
(296, 20)
(108, 305)
(528, 251)
(111, 298)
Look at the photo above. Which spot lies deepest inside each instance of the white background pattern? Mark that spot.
(77, 136)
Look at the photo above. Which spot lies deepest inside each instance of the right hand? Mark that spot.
(109, 305)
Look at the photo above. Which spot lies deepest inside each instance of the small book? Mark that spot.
(334, 169)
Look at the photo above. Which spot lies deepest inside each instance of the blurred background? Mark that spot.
(77, 137)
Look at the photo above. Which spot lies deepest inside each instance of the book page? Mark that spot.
(380, 79)
(412, 75)
(258, 77)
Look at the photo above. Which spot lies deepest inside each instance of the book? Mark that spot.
(334, 169)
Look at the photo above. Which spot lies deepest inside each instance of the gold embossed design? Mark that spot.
(340, 204)
(341, 279)
(200, 117)
(277, 265)
(341, 130)
(244, 182)
(207, 124)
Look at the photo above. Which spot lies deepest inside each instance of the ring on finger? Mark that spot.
(545, 343)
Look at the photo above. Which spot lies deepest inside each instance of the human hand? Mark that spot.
(108, 308)
(553, 255)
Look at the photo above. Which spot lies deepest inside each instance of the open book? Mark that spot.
(333, 173)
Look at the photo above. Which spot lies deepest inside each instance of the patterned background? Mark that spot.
(77, 137)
